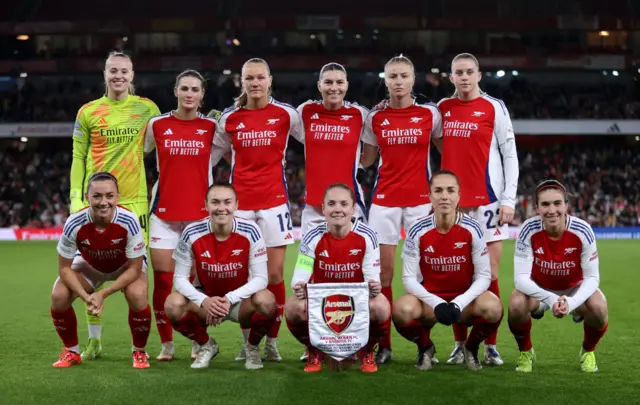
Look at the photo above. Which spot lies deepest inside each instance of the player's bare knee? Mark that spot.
(494, 311)
(403, 312)
(595, 310)
(518, 305)
(265, 303)
(379, 309)
(175, 306)
(60, 297)
(295, 309)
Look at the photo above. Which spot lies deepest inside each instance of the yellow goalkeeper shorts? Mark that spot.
(141, 209)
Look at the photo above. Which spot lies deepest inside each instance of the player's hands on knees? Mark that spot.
(299, 290)
(560, 307)
(214, 307)
(375, 287)
(95, 303)
(506, 215)
(213, 321)
(447, 313)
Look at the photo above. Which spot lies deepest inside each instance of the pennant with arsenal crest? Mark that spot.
(338, 317)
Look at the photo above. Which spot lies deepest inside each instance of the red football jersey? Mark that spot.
(221, 266)
(183, 151)
(258, 141)
(448, 262)
(353, 259)
(557, 265)
(331, 147)
(473, 132)
(106, 250)
(404, 138)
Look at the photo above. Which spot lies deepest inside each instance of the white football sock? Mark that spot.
(95, 331)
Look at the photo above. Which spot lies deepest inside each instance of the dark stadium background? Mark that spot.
(549, 60)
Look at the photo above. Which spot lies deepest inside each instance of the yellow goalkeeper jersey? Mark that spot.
(109, 136)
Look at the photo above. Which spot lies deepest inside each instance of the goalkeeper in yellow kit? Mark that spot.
(108, 136)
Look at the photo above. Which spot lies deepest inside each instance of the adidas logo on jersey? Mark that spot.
(430, 249)
(385, 123)
(206, 254)
(345, 117)
(540, 251)
(478, 113)
(324, 253)
(447, 114)
(240, 126)
(168, 132)
(236, 252)
(415, 119)
(315, 116)
(201, 131)
(272, 121)
(86, 242)
(102, 121)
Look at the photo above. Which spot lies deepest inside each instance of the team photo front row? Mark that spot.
(337, 309)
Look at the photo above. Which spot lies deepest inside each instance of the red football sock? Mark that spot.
(385, 341)
(522, 334)
(300, 331)
(190, 327)
(480, 331)
(376, 331)
(494, 288)
(415, 332)
(459, 332)
(66, 325)
(592, 336)
(140, 325)
(260, 325)
(162, 284)
(281, 296)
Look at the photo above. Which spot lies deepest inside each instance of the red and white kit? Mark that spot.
(353, 259)
(546, 269)
(332, 155)
(401, 193)
(258, 141)
(101, 256)
(479, 147)
(454, 267)
(184, 151)
(235, 268)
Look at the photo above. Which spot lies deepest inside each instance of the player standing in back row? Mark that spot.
(478, 145)
(256, 130)
(332, 143)
(108, 136)
(402, 129)
(183, 142)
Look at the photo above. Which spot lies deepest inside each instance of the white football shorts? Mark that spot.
(275, 224)
(312, 217)
(387, 221)
(165, 234)
(488, 216)
(96, 278)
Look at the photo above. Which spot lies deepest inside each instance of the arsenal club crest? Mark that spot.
(338, 311)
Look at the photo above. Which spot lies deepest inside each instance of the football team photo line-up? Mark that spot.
(225, 258)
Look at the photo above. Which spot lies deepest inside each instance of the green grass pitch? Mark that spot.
(29, 345)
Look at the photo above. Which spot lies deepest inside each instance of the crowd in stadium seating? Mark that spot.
(60, 101)
(604, 182)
